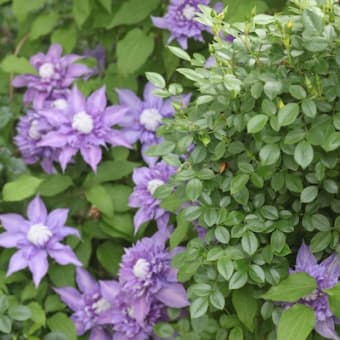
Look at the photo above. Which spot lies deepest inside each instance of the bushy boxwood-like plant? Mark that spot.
(262, 179)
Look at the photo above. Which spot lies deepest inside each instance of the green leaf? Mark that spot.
(303, 154)
(109, 255)
(294, 183)
(199, 307)
(238, 183)
(101, 199)
(54, 185)
(236, 334)
(180, 232)
(332, 142)
(293, 288)
(13, 64)
(133, 50)
(238, 280)
(3, 304)
(5, 324)
(320, 241)
(217, 299)
(38, 313)
(119, 196)
(297, 91)
(270, 154)
(19, 313)
(272, 89)
(132, 12)
(288, 114)
(246, 306)
(334, 299)
(81, 11)
(66, 36)
(312, 19)
(107, 4)
(222, 235)
(156, 79)
(194, 189)
(249, 243)
(178, 52)
(309, 108)
(23, 187)
(163, 330)
(309, 194)
(22, 8)
(225, 267)
(257, 123)
(296, 323)
(43, 25)
(61, 323)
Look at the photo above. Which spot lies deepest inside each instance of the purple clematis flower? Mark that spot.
(55, 74)
(146, 274)
(327, 275)
(88, 304)
(144, 117)
(85, 126)
(180, 21)
(37, 238)
(147, 180)
(30, 128)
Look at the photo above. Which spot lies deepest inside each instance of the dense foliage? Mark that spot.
(232, 177)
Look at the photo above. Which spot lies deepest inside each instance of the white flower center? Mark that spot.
(46, 70)
(101, 305)
(131, 312)
(33, 131)
(154, 184)
(82, 122)
(39, 234)
(141, 268)
(189, 12)
(151, 119)
(60, 104)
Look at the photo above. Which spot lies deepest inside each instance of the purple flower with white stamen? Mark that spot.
(144, 117)
(55, 73)
(37, 238)
(180, 21)
(84, 125)
(30, 129)
(88, 304)
(146, 273)
(327, 275)
(147, 180)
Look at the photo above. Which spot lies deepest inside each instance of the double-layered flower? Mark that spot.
(147, 180)
(180, 21)
(327, 275)
(144, 117)
(84, 125)
(89, 304)
(37, 238)
(55, 73)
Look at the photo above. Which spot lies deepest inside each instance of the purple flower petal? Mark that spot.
(327, 329)
(85, 281)
(21, 81)
(63, 255)
(128, 98)
(140, 217)
(151, 99)
(17, 262)
(55, 51)
(109, 289)
(53, 139)
(38, 265)
(113, 115)
(10, 239)
(70, 296)
(173, 295)
(92, 155)
(66, 155)
(77, 70)
(116, 138)
(77, 100)
(57, 218)
(99, 334)
(141, 309)
(159, 22)
(305, 258)
(97, 100)
(37, 212)
(13, 222)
